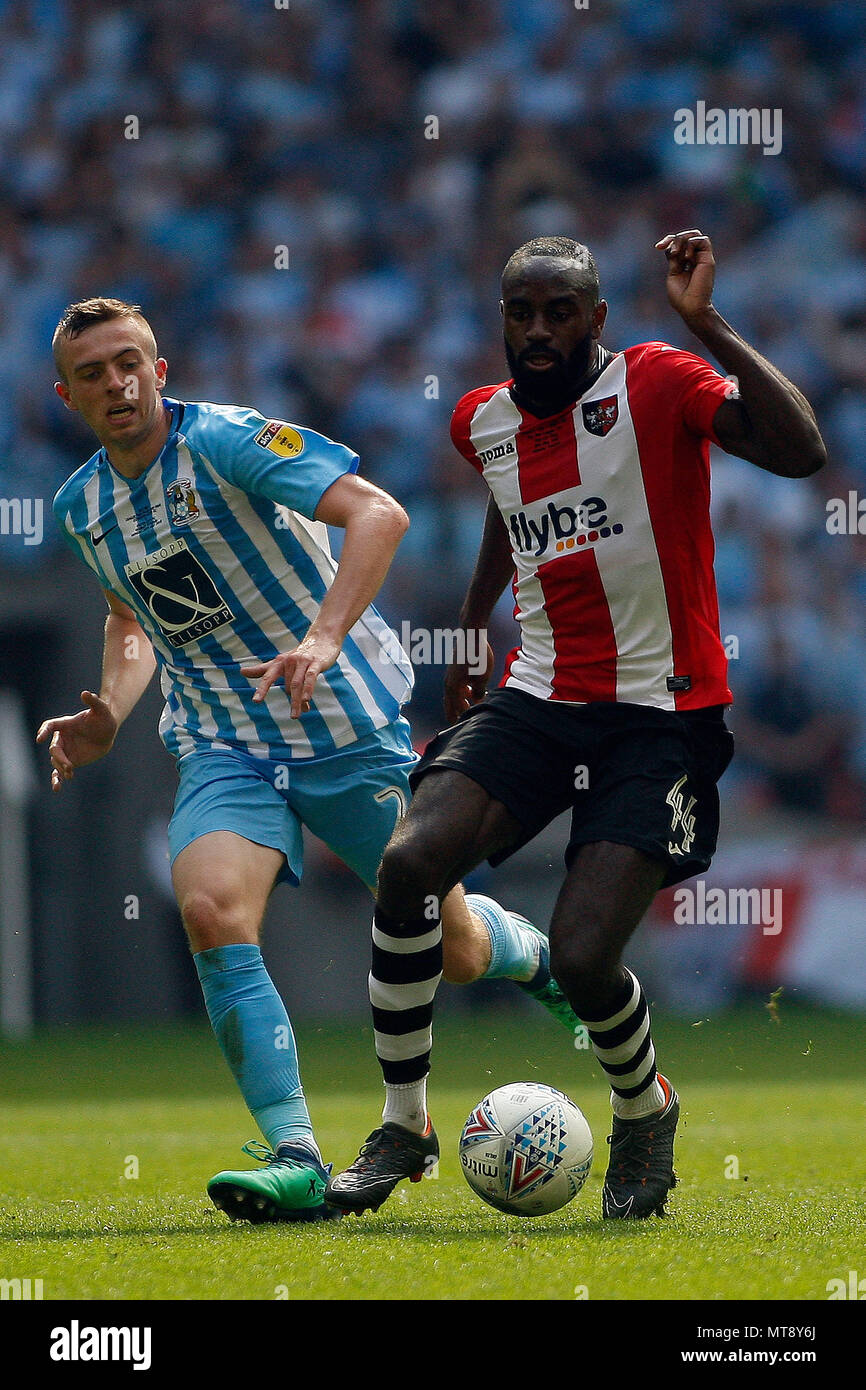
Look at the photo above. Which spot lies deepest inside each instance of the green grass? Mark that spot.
(781, 1102)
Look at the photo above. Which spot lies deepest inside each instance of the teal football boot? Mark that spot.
(290, 1187)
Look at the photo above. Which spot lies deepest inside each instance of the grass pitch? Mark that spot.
(109, 1137)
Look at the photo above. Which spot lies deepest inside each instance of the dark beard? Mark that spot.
(553, 389)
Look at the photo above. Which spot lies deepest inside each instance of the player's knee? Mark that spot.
(215, 917)
(587, 972)
(405, 878)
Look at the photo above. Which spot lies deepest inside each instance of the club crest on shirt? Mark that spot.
(281, 439)
(182, 509)
(599, 417)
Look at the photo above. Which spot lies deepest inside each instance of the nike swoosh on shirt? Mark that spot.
(106, 532)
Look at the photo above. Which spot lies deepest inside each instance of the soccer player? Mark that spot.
(613, 703)
(206, 526)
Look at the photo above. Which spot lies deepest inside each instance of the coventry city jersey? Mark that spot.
(215, 548)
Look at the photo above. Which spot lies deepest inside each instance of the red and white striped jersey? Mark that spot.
(607, 507)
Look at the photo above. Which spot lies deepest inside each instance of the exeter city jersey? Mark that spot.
(606, 504)
(216, 550)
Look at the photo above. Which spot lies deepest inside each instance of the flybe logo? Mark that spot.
(561, 528)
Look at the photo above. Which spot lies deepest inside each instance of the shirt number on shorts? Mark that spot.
(398, 794)
(682, 817)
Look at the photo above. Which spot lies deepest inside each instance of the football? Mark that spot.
(526, 1149)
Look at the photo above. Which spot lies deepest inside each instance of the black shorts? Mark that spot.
(631, 774)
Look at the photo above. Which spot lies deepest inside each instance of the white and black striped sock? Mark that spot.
(623, 1045)
(406, 969)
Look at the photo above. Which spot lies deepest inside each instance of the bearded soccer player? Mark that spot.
(613, 704)
(206, 526)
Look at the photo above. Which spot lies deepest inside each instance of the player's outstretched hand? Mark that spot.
(298, 670)
(78, 739)
(691, 271)
(465, 688)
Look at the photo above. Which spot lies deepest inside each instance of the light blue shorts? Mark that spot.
(351, 800)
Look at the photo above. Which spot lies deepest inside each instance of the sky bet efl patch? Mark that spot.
(281, 439)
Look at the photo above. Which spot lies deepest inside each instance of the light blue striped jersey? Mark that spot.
(216, 549)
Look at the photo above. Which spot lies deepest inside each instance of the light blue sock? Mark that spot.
(516, 953)
(252, 1028)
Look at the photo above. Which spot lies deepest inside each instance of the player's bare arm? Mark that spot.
(771, 424)
(374, 524)
(493, 571)
(128, 663)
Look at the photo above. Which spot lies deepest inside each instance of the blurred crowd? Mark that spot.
(313, 202)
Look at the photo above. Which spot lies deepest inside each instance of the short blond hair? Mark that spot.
(87, 312)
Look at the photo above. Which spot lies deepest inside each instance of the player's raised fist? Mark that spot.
(691, 271)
